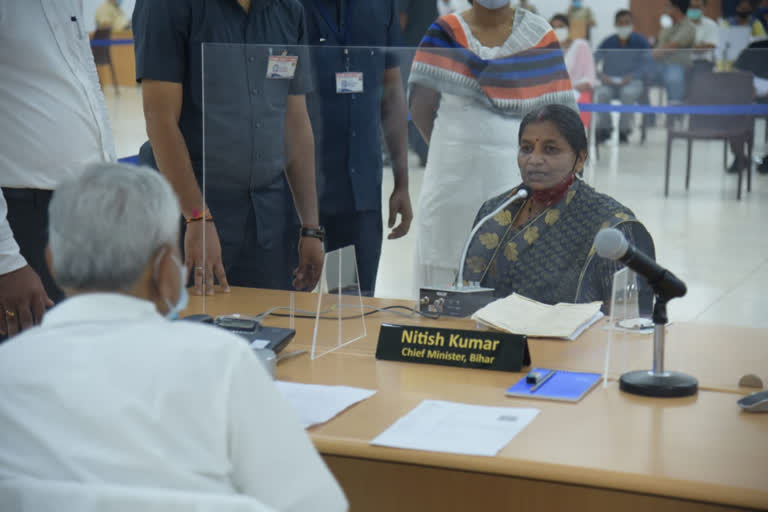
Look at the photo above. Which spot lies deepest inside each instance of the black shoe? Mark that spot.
(624, 137)
(602, 135)
(738, 164)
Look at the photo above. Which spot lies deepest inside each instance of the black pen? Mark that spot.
(73, 19)
(542, 381)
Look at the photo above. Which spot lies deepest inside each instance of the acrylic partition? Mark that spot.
(285, 126)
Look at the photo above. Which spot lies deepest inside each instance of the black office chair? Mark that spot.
(715, 89)
(102, 55)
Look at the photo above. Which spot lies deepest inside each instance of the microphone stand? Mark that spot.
(659, 382)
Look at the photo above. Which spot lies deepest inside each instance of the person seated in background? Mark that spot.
(673, 51)
(745, 17)
(579, 61)
(542, 248)
(108, 391)
(707, 34)
(110, 15)
(581, 18)
(753, 59)
(623, 74)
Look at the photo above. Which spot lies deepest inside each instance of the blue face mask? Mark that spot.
(694, 14)
(183, 301)
(577, 4)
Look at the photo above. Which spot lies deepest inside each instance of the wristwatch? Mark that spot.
(318, 233)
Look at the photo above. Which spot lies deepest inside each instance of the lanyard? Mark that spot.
(342, 38)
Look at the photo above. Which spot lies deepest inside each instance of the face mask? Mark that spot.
(577, 4)
(445, 8)
(183, 301)
(624, 32)
(561, 33)
(743, 14)
(694, 14)
(666, 21)
(493, 4)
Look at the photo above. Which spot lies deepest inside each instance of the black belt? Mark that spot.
(27, 194)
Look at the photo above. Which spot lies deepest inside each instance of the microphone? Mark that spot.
(459, 300)
(611, 244)
(522, 193)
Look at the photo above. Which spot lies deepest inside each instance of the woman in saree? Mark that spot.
(475, 75)
(542, 248)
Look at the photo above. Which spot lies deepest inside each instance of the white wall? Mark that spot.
(90, 6)
(604, 11)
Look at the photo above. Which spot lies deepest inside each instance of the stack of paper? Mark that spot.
(317, 404)
(521, 315)
(451, 427)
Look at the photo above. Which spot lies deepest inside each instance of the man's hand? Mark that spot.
(193, 253)
(626, 80)
(22, 301)
(399, 203)
(310, 263)
(605, 79)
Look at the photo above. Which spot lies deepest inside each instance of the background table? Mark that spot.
(610, 451)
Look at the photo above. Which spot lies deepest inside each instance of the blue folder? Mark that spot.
(566, 386)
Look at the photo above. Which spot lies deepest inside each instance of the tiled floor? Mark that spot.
(717, 244)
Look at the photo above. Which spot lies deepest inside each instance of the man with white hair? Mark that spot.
(108, 392)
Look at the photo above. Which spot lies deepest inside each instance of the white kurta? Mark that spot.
(108, 396)
(472, 158)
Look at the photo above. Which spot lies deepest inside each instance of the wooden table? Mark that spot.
(610, 451)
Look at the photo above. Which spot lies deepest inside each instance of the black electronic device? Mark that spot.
(453, 301)
(273, 338)
(259, 336)
(250, 329)
(237, 324)
(202, 318)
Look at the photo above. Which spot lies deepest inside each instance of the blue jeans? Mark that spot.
(674, 81)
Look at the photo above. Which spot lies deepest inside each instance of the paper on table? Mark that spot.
(451, 427)
(520, 315)
(317, 404)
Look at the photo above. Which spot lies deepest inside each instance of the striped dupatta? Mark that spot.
(533, 74)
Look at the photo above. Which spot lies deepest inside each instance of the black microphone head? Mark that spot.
(610, 243)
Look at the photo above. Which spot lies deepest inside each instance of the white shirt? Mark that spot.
(53, 119)
(10, 257)
(106, 391)
(707, 32)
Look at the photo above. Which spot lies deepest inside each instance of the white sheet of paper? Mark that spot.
(451, 427)
(520, 315)
(315, 403)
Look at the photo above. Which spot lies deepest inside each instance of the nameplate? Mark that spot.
(487, 350)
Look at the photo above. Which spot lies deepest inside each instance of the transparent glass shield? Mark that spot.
(625, 300)
(624, 322)
(339, 318)
(468, 154)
